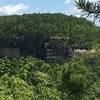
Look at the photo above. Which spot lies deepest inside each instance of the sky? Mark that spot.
(10, 7)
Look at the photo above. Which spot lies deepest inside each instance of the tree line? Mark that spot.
(78, 30)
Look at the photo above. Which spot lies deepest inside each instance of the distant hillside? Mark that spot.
(79, 30)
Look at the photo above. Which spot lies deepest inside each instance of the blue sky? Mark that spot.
(10, 7)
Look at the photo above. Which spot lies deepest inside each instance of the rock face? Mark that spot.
(10, 52)
(84, 51)
(57, 49)
(53, 48)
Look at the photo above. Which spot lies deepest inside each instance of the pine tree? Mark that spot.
(89, 8)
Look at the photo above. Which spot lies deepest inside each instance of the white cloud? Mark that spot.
(73, 11)
(13, 9)
(93, 0)
(67, 1)
(37, 10)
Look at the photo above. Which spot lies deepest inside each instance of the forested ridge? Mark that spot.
(48, 24)
(79, 30)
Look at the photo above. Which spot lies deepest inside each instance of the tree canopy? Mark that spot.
(42, 24)
(33, 79)
(79, 30)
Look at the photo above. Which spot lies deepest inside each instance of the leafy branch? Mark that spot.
(89, 8)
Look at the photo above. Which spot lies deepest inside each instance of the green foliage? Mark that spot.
(90, 8)
(80, 31)
(14, 88)
(33, 79)
(77, 79)
(47, 93)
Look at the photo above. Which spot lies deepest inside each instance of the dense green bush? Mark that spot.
(14, 88)
(33, 79)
